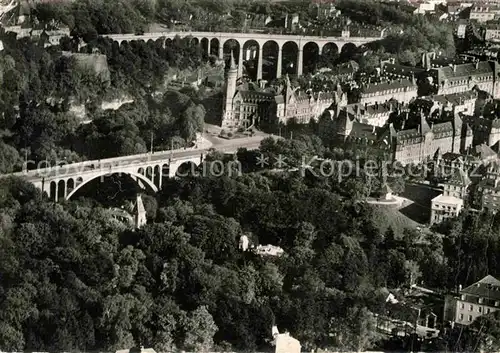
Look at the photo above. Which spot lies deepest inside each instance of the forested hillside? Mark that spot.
(74, 279)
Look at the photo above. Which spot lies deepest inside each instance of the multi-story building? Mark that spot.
(484, 13)
(480, 298)
(375, 115)
(248, 104)
(445, 164)
(483, 75)
(492, 32)
(451, 202)
(389, 68)
(486, 131)
(420, 144)
(401, 90)
(455, 103)
(487, 192)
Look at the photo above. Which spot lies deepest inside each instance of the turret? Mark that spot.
(232, 75)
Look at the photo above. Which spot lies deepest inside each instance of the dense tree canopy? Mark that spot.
(75, 279)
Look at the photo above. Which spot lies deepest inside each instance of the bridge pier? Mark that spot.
(221, 50)
(300, 59)
(279, 62)
(259, 63)
(240, 62)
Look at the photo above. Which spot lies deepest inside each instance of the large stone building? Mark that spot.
(464, 102)
(484, 13)
(248, 104)
(480, 298)
(375, 115)
(456, 78)
(417, 145)
(402, 90)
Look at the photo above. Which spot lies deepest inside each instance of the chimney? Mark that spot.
(477, 64)
(454, 68)
(459, 287)
(373, 129)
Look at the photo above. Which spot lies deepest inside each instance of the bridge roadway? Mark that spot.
(148, 170)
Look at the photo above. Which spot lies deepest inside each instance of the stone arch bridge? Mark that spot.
(148, 170)
(261, 39)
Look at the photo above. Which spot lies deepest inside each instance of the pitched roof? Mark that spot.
(485, 152)
(402, 70)
(459, 177)
(387, 85)
(488, 287)
(463, 70)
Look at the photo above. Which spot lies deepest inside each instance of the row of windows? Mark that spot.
(385, 93)
(444, 207)
(461, 318)
(479, 308)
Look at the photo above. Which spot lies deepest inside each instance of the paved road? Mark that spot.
(163, 156)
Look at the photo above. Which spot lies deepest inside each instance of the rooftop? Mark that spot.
(450, 200)
(387, 85)
(464, 70)
(488, 287)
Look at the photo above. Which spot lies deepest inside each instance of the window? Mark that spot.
(479, 309)
(488, 310)
(462, 306)
(470, 318)
(471, 307)
(461, 317)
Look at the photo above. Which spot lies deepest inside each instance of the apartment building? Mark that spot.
(480, 298)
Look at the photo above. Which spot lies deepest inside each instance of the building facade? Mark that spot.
(248, 104)
(401, 90)
(374, 115)
(451, 202)
(480, 298)
(457, 78)
(420, 144)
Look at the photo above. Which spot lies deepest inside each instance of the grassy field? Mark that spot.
(391, 217)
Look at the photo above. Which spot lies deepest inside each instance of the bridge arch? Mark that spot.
(310, 52)
(329, 54)
(147, 182)
(348, 48)
(290, 50)
(272, 59)
(186, 168)
(252, 58)
(205, 45)
(330, 48)
(231, 46)
(214, 47)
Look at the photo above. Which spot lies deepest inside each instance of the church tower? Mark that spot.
(232, 75)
